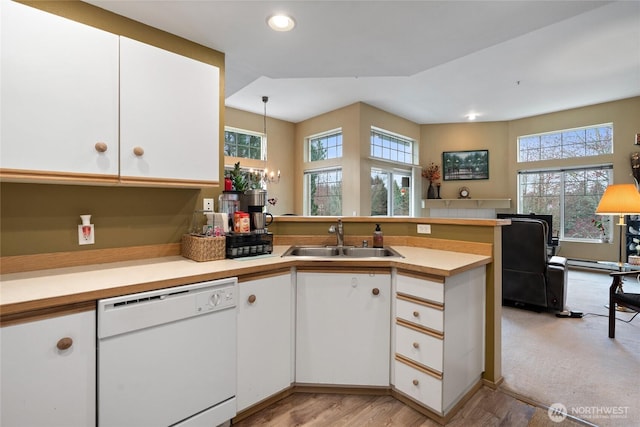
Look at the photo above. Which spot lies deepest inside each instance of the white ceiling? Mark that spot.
(427, 61)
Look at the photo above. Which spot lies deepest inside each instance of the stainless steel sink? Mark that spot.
(370, 252)
(340, 252)
(322, 251)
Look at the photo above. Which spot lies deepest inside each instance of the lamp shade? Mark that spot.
(619, 199)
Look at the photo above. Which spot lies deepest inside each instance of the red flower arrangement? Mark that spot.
(431, 172)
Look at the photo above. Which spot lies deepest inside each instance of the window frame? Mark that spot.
(246, 164)
(307, 208)
(391, 173)
(323, 135)
(392, 137)
(562, 134)
(579, 161)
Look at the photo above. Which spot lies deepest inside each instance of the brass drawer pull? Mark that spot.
(251, 299)
(416, 345)
(138, 151)
(101, 147)
(416, 382)
(375, 291)
(416, 314)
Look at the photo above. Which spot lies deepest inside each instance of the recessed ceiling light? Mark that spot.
(281, 22)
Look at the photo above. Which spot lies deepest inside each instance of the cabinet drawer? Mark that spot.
(422, 348)
(429, 317)
(419, 385)
(421, 288)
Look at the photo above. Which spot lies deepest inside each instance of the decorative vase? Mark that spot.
(438, 188)
(431, 191)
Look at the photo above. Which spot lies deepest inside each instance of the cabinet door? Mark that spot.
(59, 95)
(264, 339)
(169, 108)
(343, 328)
(43, 385)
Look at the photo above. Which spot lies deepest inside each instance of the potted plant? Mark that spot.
(238, 179)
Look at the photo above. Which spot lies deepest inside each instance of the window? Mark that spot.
(395, 202)
(325, 146)
(582, 142)
(323, 192)
(244, 144)
(391, 190)
(395, 148)
(570, 193)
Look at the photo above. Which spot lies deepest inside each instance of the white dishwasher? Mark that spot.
(168, 357)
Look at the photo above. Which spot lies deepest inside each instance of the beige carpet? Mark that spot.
(573, 362)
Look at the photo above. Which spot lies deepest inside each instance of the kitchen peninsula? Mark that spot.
(440, 263)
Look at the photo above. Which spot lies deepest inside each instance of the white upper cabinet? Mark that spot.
(84, 105)
(169, 115)
(59, 95)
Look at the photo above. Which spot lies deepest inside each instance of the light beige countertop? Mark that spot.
(43, 289)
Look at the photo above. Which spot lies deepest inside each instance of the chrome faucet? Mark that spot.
(339, 231)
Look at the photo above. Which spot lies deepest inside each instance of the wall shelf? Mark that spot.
(467, 203)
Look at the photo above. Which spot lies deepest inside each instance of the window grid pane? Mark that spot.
(571, 196)
(390, 147)
(589, 141)
(244, 145)
(325, 147)
(325, 192)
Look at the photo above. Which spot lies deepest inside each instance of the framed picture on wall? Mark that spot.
(465, 165)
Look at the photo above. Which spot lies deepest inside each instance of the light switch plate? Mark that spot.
(424, 228)
(90, 240)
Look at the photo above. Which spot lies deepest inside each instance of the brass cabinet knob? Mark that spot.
(375, 291)
(416, 345)
(416, 314)
(416, 382)
(101, 147)
(64, 343)
(138, 151)
(251, 299)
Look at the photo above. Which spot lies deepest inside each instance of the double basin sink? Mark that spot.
(341, 252)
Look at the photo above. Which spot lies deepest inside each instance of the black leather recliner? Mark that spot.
(529, 277)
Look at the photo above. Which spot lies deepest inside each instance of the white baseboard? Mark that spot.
(590, 265)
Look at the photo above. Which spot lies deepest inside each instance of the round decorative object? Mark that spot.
(463, 193)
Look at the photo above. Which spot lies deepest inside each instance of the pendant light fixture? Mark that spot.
(268, 177)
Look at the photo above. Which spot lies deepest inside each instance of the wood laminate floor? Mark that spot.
(487, 407)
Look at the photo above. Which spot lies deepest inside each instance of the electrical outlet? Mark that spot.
(207, 204)
(86, 235)
(424, 228)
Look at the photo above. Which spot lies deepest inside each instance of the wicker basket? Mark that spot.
(201, 248)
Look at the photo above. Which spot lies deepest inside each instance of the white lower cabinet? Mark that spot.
(265, 336)
(343, 328)
(439, 337)
(48, 372)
